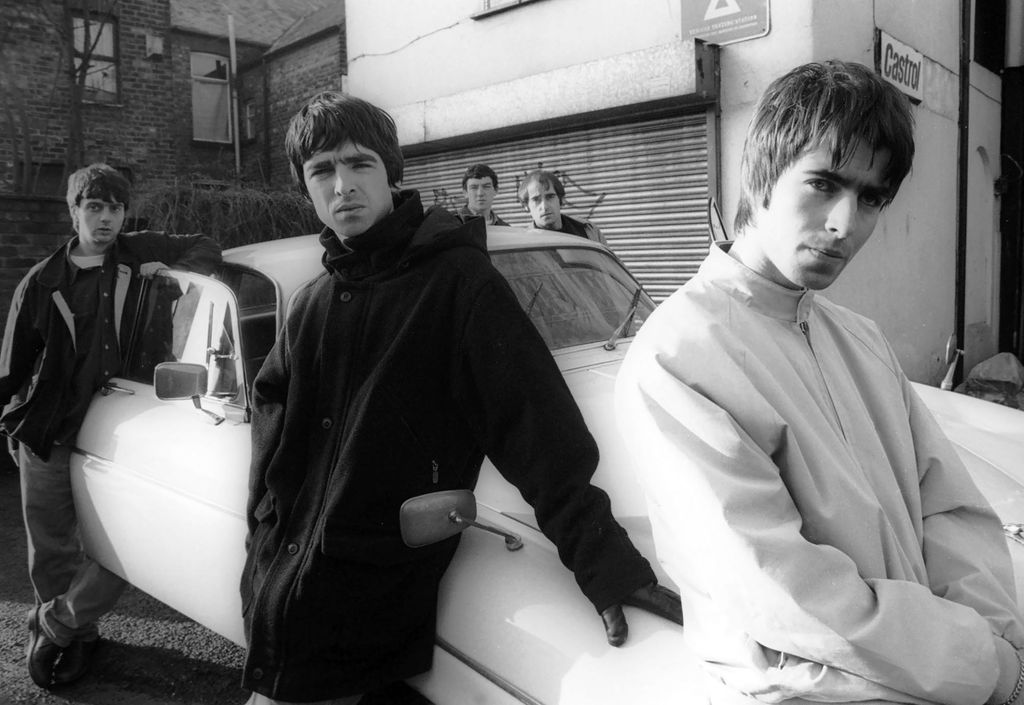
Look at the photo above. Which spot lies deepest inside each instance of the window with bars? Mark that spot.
(211, 116)
(95, 44)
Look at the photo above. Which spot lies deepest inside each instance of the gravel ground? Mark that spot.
(150, 654)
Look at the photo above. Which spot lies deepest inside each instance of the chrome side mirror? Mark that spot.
(434, 517)
(179, 380)
(716, 226)
(183, 380)
(953, 353)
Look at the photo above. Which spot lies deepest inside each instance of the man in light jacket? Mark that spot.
(828, 543)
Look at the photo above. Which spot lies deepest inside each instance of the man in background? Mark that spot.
(543, 195)
(480, 186)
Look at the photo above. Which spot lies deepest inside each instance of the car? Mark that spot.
(160, 474)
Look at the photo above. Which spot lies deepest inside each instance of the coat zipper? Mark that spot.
(805, 328)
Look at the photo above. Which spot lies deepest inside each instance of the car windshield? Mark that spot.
(573, 295)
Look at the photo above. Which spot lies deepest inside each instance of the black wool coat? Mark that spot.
(397, 370)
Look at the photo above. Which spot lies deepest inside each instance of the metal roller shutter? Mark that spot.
(645, 184)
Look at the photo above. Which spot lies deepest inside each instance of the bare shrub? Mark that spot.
(234, 215)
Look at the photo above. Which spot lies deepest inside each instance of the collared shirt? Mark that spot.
(97, 353)
(828, 542)
(465, 214)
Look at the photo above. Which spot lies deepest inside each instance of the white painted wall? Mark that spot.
(904, 278)
(443, 74)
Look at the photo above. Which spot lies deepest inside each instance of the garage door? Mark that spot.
(645, 184)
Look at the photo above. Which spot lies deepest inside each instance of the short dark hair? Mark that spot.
(331, 119)
(100, 181)
(544, 179)
(833, 104)
(480, 171)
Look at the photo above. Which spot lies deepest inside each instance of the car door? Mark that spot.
(161, 485)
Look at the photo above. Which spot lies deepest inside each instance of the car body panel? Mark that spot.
(161, 494)
(166, 518)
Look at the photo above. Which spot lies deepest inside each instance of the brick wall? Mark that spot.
(30, 228)
(206, 160)
(134, 132)
(293, 76)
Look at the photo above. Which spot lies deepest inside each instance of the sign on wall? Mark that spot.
(725, 21)
(900, 65)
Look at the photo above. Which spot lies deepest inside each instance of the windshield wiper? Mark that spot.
(623, 328)
(529, 309)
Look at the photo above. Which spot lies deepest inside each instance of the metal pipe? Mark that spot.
(963, 162)
(233, 84)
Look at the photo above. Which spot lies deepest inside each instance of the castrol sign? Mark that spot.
(900, 65)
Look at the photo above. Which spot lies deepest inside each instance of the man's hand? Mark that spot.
(653, 598)
(148, 269)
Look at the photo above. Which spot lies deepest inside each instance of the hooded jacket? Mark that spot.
(38, 352)
(398, 368)
(828, 542)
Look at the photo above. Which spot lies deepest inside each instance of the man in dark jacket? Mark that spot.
(543, 195)
(398, 368)
(68, 322)
(479, 186)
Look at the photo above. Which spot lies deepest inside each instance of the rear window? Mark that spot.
(573, 295)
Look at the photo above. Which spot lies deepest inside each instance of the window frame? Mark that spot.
(226, 82)
(249, 110)
(223, 318)
(93, 20)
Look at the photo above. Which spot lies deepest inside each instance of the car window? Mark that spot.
(257, 297)
(185, 317)
(573, 295)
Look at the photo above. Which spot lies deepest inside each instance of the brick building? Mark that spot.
(309, 57)
(155, 100)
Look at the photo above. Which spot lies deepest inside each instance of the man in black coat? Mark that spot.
(404, 363)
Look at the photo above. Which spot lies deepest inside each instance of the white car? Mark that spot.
(161, 483)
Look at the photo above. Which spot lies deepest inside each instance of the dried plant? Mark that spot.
(234, 215)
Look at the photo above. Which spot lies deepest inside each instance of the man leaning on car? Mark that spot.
(398, 368)
(829, 543)
(61, 345)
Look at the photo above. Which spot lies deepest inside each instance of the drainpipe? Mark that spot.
(1010, 186)
(963, 162)
(267, 170)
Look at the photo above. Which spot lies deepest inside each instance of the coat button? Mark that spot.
(293, 548)
(346, 296)
(257, 673)
(326, 423)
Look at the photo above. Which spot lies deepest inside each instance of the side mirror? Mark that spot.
(179, 380)
(434, 517)
(716, 226)
(953, 353)
(183, 380)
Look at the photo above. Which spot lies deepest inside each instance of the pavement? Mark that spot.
(150, 654)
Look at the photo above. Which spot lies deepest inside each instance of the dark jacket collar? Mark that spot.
(401, 237)
(54, 270)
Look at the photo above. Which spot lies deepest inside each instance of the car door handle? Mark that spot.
(110, 387)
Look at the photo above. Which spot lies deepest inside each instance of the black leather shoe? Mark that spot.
(74, 661)
(41, 652)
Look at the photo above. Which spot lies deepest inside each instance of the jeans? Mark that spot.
(72, 590)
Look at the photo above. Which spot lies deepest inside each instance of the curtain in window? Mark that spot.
(210, 116)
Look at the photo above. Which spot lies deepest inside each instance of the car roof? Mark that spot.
(293, 261)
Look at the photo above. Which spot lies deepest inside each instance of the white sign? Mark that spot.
(901, 66)
(725, 21)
